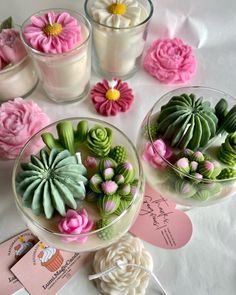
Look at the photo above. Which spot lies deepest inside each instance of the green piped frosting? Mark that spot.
(221, 110)
(119, 154)
(99, 140)
(227, 151)
(228, 124)
(187, 122)
(52, 181)
(227, 173)
(105, 234)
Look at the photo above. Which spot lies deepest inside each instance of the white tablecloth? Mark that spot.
(207, 264)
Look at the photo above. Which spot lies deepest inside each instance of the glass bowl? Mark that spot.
(189, 173)
(99, 237)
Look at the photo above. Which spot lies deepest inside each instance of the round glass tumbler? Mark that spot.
(64, 76)
(117, 49)
(47, 229)
(191, 177)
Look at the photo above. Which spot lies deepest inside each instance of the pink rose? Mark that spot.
(155, 152)
(170, 61)
(12, 49)
(19, 120)
(75, 223)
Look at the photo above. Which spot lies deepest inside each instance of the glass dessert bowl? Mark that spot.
(187, 145)
(83, 189)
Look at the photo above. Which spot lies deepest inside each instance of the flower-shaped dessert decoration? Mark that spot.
(127, 280)
(19, 120)
(187, 122)
(170, 61)
(155, 153)
(119, 154)
(118, 14)
(99, 140)
(112, 97)
(75, 223)
(113, 185)
(51, 181)
(227, 151)
(68, 138)
(53, 32)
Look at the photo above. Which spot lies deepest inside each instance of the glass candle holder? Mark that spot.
(64, 76)
(18, 80)
(118, 51)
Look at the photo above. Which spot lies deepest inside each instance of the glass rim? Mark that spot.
(169, 164)
(43, 228)
(88, 25)
(119, 28)
(14, 66)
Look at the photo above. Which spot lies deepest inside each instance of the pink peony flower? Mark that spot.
(155, 152)
(53, 32)
(12, 49)
(19, 120)
(75, 223)
(112, 97)
(170, 61)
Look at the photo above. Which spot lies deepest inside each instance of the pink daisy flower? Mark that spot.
(112, 97)
(53, 32)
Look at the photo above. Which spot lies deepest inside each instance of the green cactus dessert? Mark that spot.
(185, 188)
(107, 204)
(221, 109)
(227, 173)
(227, 151)
(51, 182)
(119, 154)
(228, 123)
(99, 140)
(187, 122)
(106, 233)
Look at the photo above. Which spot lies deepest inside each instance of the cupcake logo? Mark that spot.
(23, 246)
(50, 257)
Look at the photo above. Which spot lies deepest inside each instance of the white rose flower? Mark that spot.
(128, 280)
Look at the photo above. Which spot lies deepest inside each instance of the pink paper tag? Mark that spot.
(11, 251)
(47, 269)
(160, 224)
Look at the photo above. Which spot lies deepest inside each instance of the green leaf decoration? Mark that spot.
(6, 24)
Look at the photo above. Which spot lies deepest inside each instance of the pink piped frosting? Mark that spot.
(209, 165)
(19, 120)
(170, 61)
(107, 107)
(182, 163)
(75, 223)
(12, 49)
(154, 153)
(109, 187)
(67, 39)
(91, 162)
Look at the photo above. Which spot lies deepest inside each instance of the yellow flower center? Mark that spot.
(117, 8)
(53, 30)
(113, 94)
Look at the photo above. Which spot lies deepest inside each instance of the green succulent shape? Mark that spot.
(185, 188)
(187, 122)
(227, 173)
(68, 138)
(227, 151)
(119, 154)
(150, 131)
(228, 123)
(105, 234)
(99, 140)
(52, 181)
(221, 109)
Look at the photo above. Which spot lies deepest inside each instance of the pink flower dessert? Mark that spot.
(170, 61)
(75, 223)
(156, 152)
(19, 120)
(112, 97)
(12, 49)
(53, 32)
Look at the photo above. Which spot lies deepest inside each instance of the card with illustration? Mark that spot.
(47, 269)
(160, 223)
(11, 252)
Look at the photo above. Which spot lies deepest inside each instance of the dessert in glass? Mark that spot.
(119, 34)
(60, 45)
(83, 190)
(187, 145)
(17, 74)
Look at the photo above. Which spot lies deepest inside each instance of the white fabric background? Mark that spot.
(207, 264)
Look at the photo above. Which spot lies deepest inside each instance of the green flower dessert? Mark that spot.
(187, 122)
(51, 182)
(99, 140)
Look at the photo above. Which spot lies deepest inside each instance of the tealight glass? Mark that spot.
(117, 52)
(65, 76)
